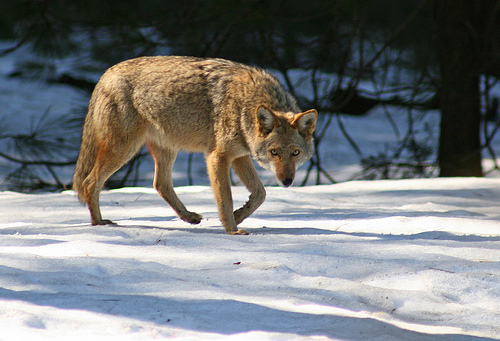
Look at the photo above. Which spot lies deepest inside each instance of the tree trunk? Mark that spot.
(459, 60)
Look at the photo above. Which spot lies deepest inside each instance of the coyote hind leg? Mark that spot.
(107, 163)
(164, 160)
(92, 188)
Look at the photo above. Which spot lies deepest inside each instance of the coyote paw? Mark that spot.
(239, 215)
(103, 222)
(238, 232)
(192, 218)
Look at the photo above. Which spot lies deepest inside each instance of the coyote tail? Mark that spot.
(86, 159)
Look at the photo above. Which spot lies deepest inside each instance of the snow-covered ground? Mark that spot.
(383, 260)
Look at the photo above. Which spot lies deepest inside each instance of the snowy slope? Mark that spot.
(384, 260)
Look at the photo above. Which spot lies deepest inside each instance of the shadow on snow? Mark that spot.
(225, 316)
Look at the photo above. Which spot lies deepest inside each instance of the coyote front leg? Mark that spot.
(218, 171)
(244, 168)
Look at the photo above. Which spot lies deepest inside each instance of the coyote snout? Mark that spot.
(228, 111)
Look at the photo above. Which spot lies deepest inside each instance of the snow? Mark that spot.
(383, 260)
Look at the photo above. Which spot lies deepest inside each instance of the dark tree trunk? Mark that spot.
(460, 56)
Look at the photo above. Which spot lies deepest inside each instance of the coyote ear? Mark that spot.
(305, 122)
(266, 119)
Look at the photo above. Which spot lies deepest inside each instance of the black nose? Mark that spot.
(287, 182)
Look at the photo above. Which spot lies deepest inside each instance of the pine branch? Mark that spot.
(37, 162)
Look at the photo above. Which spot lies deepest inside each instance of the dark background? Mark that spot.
(445, 47)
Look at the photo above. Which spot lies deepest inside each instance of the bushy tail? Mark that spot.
(86, 161)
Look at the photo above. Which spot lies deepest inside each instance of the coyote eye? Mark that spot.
(273, 152)
(296, 152)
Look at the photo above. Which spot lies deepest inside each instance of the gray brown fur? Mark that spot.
(226, 110)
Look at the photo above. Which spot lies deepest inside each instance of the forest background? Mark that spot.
(426, 57)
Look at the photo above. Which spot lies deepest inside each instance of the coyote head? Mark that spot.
(284, 141)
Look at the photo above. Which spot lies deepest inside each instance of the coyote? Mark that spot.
(226, 110)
